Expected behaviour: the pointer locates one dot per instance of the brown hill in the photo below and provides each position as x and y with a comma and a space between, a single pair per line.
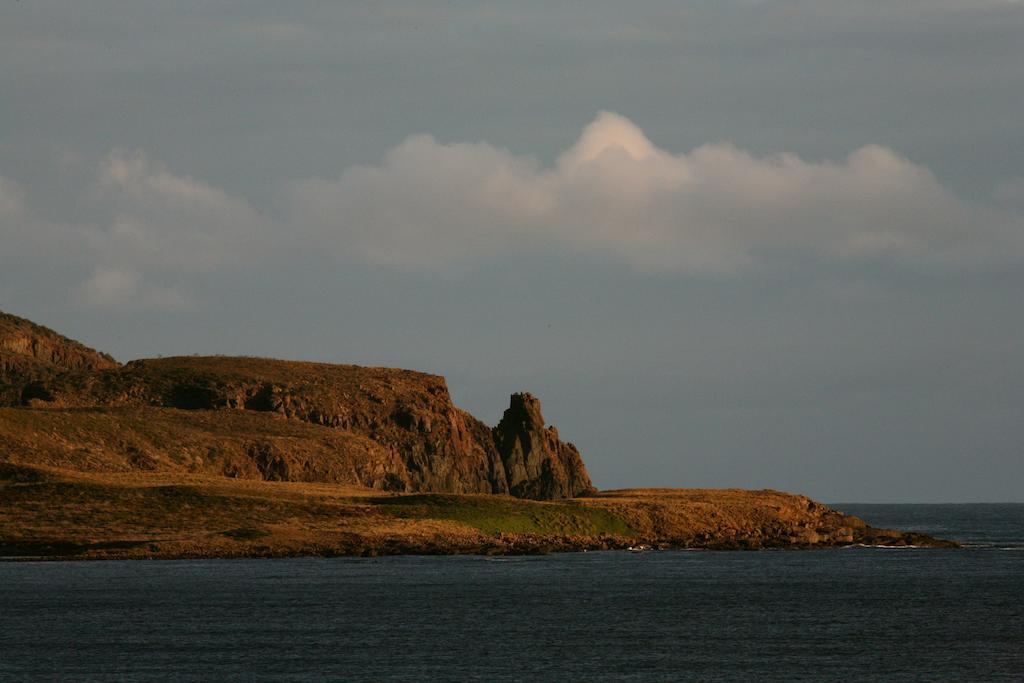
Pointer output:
236, 444
402, 426
30, 352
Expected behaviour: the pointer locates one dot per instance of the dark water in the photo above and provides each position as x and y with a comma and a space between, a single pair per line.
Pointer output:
844, 615
983, 525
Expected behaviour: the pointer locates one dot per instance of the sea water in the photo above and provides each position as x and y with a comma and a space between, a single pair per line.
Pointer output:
845, 614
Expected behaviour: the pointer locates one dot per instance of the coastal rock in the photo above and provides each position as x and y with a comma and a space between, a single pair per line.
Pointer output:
537, 464
406, 413
31, 354
408, 417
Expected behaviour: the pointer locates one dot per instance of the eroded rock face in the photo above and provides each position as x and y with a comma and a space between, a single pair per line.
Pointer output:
537, 463
408, 416
235, 444
407, 413
31, 353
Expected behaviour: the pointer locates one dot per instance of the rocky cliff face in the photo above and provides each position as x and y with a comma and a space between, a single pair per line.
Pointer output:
236, 444
408, 416
537, 463
30, 352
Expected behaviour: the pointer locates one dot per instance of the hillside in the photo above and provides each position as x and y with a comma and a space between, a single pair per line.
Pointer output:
408, 416
31, 352
232, 444
225, 456
400, 426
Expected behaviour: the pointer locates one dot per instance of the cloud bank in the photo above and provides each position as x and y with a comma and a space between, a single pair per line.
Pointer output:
149, 232
716, 210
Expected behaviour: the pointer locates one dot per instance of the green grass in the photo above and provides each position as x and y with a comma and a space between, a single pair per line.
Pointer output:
496, 514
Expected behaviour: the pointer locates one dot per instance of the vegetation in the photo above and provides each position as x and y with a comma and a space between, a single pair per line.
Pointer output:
65, 513
503, 514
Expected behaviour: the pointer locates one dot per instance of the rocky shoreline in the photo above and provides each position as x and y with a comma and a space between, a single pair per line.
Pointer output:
523, 546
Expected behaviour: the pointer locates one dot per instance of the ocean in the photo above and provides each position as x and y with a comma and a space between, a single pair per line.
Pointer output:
856, 614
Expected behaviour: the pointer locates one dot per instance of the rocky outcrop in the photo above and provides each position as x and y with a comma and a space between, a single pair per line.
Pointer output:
409, 416
537, 463
30, 353
738, 519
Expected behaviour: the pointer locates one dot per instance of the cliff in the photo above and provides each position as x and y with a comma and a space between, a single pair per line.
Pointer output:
30, 352
537, 464
402, 426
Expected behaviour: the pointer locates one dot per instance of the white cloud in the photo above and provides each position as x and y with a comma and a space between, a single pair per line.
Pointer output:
715, 209
426, 204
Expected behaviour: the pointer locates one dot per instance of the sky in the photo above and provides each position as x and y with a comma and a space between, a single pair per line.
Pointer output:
740, 243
